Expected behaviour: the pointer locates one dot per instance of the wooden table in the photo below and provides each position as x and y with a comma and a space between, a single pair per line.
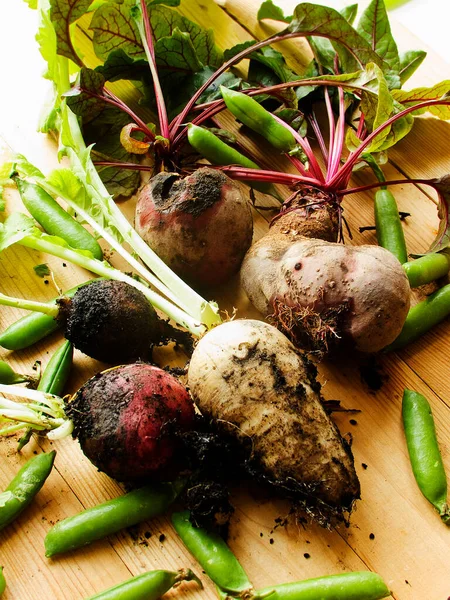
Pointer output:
394, 531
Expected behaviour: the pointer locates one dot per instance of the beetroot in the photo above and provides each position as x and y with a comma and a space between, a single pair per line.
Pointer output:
110, 321
200, 226
127, 420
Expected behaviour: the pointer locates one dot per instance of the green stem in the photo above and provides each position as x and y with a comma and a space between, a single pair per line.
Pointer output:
112, 241
32, 413
187, 298
105, 270
42, 307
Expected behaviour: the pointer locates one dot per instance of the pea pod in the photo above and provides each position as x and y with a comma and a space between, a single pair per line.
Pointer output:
25, 485
2, 581
388, 225
422, 317
53, 380
427, 268
213, 554
105, 519
251, 113
359, 585
9, 377
55, 220
148, 586
33, 327
423, 449
219, 153
57, 371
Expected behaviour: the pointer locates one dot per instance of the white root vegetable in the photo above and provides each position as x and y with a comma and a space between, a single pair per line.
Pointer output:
251, 381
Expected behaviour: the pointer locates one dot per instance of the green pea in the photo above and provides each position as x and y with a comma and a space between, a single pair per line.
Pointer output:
426, 460
25, 485
105, 519
55, 220
389, 227
33, 327
148, 586
422, 317
9, 377
213, 554
57, 371
218, 153
53, 380
427, 268
251, 113
2, 581
359, 585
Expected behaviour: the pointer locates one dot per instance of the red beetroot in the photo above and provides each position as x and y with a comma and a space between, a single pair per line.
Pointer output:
200, 226
127, 421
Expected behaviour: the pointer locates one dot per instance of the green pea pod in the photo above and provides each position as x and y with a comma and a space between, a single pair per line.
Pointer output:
24, 487
422, 317
213, 554
2, 581
55, 220
33, 327
426, 460
219, 153
389, 227
359, 585
57, 371
9, 377
148, 586
427, 268
251, 113
53, 380
105, 519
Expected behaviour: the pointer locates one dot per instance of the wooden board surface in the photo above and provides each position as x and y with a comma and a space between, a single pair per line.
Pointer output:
394, 531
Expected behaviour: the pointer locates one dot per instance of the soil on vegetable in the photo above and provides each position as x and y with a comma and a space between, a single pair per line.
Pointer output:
110, 321
199, 193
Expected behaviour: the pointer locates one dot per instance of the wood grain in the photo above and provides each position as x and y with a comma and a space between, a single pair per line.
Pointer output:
409, 547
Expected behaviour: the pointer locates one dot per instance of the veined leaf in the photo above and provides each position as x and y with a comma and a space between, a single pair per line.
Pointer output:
353, 49
442, 186
269, 10
409, 62
85, 98
119, 65
349, 12
374, 27
177, 52
377, 109
63, 14
16, 227
115, 29
437, 92
234, 50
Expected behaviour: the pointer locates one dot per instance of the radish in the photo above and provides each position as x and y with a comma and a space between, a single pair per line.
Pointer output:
200, 225
127, 419
258, 389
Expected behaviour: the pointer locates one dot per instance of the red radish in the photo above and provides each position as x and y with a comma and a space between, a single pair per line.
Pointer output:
127, 419
200, 225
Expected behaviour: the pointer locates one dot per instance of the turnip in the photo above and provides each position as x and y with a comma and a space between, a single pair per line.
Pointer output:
322, 293
255, 386
200, 225
127, 419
